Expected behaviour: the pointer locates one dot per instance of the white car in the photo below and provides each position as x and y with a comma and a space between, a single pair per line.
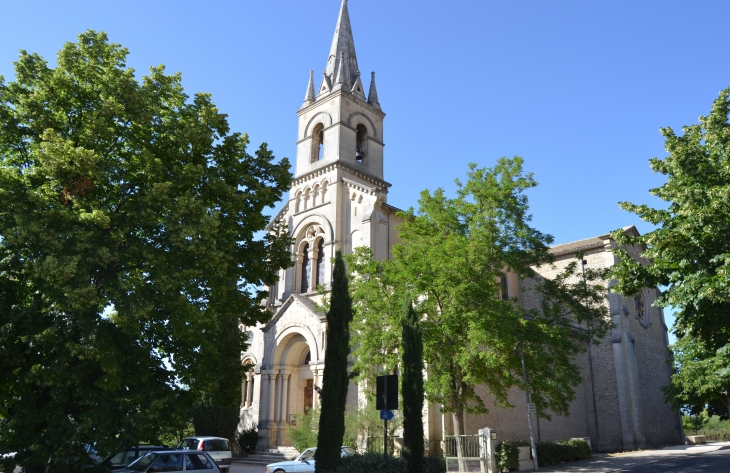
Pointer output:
304, 462
218, 448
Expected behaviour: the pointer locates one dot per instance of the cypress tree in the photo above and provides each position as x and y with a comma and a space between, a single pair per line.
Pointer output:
412, 386
335, 379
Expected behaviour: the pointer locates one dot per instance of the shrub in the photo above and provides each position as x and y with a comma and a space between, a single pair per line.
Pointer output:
552, 453
372, 463
434, 465
304, 434
375, 463
248, 439
507, 455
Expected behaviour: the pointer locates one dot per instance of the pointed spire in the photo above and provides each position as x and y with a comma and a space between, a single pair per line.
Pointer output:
342, 44
309, 97
373, 94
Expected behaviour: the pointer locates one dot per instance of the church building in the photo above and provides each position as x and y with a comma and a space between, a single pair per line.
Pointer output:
337, 202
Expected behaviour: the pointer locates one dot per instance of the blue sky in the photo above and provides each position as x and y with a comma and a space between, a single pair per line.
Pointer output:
579, 89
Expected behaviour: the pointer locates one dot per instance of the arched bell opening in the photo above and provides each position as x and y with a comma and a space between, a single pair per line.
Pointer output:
360, 137
318, 143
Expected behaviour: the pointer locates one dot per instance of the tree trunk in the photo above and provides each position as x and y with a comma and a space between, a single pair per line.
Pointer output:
458, 416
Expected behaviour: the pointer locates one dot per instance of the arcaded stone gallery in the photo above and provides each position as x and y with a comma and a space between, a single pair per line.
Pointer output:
338, 201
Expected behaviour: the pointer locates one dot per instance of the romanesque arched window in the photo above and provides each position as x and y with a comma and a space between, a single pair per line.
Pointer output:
306, 269
318, 143
247, 386
320, 263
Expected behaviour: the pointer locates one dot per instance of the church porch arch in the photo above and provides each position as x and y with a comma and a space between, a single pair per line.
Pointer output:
293, 372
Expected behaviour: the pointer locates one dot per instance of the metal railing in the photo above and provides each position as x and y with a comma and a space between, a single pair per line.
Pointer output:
375, 445
469, 461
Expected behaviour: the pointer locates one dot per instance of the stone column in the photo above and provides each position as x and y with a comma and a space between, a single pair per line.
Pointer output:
315, 383
284, 397
271, 408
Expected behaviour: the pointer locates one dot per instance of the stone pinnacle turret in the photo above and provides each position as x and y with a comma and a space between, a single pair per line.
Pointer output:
373, 94
309, 97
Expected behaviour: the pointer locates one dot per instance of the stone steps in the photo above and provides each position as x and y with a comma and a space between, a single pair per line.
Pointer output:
270, 455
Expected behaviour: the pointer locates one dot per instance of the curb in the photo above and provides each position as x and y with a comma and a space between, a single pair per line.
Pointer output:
675, 457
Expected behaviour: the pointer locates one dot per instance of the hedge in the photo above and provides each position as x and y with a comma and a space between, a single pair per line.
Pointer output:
375, 463
548, 453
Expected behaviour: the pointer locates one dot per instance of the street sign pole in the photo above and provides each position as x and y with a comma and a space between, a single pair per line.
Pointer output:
386, 399
385, 441
385, 426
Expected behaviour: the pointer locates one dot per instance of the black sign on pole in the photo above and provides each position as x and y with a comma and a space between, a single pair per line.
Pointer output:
386, 398
387, 392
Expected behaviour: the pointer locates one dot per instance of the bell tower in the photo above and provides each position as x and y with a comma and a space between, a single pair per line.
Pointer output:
338, 198
337, 121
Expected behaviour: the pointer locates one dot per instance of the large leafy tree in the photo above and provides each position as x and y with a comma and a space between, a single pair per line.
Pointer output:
701, 380
130, 252
454, 253
335, 379
689, 251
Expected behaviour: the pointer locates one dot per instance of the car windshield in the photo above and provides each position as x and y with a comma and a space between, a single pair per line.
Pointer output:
349, 451
142, 462
120, 460
308, 454
216, 445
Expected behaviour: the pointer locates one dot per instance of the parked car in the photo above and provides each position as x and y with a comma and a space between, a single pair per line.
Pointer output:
90, 448
173, 460
217, 447
304, 462
120, 460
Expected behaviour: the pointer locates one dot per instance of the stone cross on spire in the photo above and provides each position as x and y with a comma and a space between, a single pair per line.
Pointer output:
342, 61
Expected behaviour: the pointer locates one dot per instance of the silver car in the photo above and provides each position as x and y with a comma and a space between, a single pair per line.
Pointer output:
304, 462
173, 460
218, 448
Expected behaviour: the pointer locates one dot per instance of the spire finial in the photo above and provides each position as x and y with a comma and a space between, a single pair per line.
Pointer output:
373, 94
309, 96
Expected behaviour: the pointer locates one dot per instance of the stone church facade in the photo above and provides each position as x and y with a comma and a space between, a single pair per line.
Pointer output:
338, 201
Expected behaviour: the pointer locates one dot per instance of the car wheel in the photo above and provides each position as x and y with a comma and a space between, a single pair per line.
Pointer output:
279, 471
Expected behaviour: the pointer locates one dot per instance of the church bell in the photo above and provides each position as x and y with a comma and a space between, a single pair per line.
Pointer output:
358, 154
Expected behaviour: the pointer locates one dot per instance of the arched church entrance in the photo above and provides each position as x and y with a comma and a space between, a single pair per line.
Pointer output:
293, 392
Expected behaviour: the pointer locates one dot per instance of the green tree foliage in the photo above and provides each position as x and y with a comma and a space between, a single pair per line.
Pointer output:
453, 254
335, 378
217, 421
701, 381
130, 252
412, 388
689, 251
